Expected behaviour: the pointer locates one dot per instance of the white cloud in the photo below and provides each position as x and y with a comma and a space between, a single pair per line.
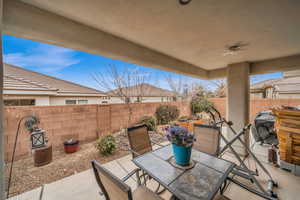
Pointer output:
47, 58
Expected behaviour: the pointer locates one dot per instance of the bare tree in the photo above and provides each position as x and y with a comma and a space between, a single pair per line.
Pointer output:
186, 89
125, 84
220, 85
199, 90
178, 86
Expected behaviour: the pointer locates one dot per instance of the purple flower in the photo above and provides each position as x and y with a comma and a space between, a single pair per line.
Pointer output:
180, 136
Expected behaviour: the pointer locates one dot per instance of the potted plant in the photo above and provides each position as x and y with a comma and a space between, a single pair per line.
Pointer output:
182, 142
71, 145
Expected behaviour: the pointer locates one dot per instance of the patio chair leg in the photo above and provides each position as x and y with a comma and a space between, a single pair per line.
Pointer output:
158, 191
222, 189
138, 180
174, 198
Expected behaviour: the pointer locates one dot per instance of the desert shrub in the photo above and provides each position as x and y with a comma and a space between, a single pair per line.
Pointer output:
106, 145
166, 113
149, 121
200, 104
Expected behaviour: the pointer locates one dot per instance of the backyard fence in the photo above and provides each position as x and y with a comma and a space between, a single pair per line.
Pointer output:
86, 122
83, 122
256, 105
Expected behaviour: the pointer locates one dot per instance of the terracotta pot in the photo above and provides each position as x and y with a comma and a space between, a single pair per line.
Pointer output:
71, 147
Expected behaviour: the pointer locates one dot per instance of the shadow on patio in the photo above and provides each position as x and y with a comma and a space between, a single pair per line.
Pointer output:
83, 185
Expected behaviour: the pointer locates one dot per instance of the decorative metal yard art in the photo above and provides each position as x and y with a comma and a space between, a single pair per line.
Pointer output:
37, 137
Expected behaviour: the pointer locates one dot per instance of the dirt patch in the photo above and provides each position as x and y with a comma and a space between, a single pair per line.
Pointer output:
27, 177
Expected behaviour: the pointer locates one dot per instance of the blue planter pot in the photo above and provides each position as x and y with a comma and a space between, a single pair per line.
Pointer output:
182, 154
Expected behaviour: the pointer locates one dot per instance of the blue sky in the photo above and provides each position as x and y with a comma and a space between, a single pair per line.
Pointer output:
77, 66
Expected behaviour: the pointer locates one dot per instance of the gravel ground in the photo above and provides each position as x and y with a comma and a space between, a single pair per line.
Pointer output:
27, 177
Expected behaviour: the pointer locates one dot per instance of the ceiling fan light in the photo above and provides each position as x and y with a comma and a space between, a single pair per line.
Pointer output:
184, 2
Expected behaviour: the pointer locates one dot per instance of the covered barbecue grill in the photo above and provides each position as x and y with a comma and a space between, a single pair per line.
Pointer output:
263, 129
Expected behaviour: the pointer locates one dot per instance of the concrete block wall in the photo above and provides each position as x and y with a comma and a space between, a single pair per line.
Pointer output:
84, 122
256, 105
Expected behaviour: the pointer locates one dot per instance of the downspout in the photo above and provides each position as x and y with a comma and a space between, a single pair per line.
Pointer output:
2, 176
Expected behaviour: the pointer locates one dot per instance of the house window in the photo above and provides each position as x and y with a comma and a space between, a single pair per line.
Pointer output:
105, 97
82, 101
19, 102
70, 102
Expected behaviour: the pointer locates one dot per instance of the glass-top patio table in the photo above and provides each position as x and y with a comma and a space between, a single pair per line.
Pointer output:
200, 182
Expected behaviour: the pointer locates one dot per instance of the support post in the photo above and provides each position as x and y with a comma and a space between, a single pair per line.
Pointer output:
2, 176
238, 101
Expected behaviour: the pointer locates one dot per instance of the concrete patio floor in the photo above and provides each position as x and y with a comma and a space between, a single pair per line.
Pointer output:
82, 186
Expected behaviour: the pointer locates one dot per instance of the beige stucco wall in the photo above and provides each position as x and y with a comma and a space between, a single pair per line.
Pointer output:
115, 100
277, 96
256, 95
54, 100
288, 96
157, 99
144, 99
39, 100
61, 100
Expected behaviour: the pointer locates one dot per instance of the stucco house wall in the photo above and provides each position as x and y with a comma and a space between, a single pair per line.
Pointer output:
62, 100
39, 100
143, 99
287, 87
289, 96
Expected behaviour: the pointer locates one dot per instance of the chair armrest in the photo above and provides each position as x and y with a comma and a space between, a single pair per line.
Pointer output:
133, 172
157, 143
134, 152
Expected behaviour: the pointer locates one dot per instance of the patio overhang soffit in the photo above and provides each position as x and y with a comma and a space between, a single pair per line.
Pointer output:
191, 39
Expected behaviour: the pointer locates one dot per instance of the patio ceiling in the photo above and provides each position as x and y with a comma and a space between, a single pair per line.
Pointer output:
187, 39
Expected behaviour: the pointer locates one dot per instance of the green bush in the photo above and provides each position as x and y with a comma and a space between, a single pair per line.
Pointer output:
166, 113
200, 104
106, 145
149, 121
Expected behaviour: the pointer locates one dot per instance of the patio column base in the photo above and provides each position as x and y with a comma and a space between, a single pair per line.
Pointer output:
238, 101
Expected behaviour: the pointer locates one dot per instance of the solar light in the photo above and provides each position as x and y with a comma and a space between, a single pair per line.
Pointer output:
184, 2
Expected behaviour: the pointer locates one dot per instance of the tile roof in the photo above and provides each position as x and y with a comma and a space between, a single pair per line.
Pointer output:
265, 83
17, 78
287, 84
144, 90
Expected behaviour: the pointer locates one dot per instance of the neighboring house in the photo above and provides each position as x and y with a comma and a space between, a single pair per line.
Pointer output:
141, 93
24, 87
287, 87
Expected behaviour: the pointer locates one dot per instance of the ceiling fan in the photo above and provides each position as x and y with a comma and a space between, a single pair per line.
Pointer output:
234, 49
184, 2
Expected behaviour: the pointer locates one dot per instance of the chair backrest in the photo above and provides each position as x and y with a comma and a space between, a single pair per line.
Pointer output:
207, 138
111, 186
139, 139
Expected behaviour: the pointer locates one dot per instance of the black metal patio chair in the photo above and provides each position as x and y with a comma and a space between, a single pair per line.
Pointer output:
114, 188
140, 143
